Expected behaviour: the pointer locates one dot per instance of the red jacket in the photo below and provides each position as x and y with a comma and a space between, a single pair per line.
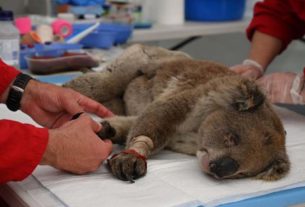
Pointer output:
283, 19
21, 145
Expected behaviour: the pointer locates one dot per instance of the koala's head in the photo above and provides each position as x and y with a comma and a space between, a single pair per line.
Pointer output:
240, 136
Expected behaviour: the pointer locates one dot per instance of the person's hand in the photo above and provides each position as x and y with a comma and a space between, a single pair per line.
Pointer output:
75, 147
277, 87
249, 69
51, 105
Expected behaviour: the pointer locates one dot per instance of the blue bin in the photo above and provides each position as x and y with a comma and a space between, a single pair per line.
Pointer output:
122, 31
45, 50
214, 10
25, 52
105, 36
99, 39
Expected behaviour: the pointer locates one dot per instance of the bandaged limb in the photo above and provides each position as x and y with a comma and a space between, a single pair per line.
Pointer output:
151, 133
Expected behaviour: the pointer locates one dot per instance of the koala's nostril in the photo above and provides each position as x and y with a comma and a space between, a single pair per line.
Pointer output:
223, 166
212, 166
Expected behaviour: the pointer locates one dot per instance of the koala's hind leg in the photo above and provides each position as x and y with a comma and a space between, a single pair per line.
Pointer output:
134, 61
141, 59
151, 132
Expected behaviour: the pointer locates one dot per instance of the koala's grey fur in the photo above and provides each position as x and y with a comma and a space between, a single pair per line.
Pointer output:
168, 100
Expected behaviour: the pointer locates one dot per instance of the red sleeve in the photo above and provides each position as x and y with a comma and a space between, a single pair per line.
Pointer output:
21, 149
7, 75
282, 19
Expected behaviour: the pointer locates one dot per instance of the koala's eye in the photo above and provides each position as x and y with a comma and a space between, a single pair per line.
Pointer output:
231, 139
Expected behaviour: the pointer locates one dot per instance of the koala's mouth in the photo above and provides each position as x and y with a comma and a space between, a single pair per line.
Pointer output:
203, 158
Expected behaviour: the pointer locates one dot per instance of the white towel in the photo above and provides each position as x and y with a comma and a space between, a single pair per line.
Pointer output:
172, 179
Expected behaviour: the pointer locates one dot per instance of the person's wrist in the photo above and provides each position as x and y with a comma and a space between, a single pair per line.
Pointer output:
4, 96
29, 91
31, 86
15, 91
50, 156
254, 64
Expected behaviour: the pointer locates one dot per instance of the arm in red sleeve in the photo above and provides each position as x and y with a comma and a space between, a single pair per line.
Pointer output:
7, 75
21, 148
283, 19
21, 145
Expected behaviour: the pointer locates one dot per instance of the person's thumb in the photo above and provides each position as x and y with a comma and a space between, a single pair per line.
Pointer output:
251, 75
96, 126
239, 69
107, 148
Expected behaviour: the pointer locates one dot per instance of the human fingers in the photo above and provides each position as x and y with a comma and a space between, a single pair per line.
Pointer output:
94, 107
265, 84
74, 147
96, 126
106, 145
247, 71
277, 86
239, 69
84, 118
106, 148
73, 102
69, 101
252, 74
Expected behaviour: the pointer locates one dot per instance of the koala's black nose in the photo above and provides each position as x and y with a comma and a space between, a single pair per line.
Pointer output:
223, 166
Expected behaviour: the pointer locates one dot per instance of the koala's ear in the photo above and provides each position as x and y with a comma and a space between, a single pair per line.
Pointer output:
249, 97
277, 169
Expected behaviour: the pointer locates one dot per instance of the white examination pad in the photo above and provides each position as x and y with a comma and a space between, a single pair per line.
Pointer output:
172, 179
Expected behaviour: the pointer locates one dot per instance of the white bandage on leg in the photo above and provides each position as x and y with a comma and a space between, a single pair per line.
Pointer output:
142, 144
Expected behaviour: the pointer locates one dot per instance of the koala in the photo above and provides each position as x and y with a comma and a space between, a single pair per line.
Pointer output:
167, 100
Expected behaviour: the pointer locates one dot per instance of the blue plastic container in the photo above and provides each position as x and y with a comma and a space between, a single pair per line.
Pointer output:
122, 31
105, 36
25, 52
214, 10
99, 39
45, 50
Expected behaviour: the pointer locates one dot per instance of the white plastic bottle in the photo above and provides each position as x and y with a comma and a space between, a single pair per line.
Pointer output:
9, 39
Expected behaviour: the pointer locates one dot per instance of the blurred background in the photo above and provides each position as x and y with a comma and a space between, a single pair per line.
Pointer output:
228, 48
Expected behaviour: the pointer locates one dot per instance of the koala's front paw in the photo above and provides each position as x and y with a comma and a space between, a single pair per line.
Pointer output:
128, 165
107, 131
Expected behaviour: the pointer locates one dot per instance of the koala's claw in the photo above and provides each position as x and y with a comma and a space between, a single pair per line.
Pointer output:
128, 165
